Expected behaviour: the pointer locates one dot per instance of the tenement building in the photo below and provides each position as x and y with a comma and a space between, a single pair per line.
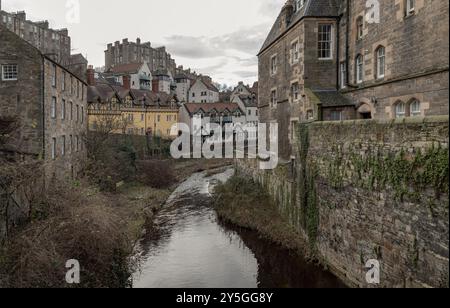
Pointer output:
127, 52
338, 60
54, 43
49, 103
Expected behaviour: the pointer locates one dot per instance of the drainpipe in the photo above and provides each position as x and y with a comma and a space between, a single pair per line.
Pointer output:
347, 47
338, 54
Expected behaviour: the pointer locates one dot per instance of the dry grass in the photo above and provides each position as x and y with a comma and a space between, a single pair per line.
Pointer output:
244, 203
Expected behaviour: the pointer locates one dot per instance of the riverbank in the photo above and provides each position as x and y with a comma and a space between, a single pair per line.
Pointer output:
244, 203
80, 221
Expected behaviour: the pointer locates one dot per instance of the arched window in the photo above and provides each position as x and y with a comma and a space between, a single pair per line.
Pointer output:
359, 69
400, 110
414, 108
381, 62
359, 28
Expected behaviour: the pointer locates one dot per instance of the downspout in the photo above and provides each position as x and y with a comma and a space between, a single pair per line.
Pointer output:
44, 154
338, 54
347, 47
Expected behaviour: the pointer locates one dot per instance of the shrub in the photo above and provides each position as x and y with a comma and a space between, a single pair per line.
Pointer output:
156, 174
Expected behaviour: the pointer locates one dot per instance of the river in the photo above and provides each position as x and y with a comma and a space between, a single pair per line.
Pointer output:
187, 247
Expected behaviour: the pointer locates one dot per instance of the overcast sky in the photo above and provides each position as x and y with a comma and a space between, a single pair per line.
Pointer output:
216, 37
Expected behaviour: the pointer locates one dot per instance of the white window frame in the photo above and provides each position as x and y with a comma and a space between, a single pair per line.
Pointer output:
330, 41
295, 52
415, 112
400, 114
54, 69
273, 98
343, 74
295, 93
273, 65
63, 109
359, 63
53, 148
381, 62
4, 72
410, 7
63, 145
53, 108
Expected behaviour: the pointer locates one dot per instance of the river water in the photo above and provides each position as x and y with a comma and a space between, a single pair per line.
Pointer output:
187, 247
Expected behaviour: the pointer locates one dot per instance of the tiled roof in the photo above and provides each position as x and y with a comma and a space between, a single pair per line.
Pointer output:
208, 84
126, 68
312, 8
194, 108
250, 101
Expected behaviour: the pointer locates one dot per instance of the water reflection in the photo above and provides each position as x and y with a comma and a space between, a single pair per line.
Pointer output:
187, 247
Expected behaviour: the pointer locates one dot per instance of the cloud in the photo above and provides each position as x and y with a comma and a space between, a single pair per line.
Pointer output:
246, 74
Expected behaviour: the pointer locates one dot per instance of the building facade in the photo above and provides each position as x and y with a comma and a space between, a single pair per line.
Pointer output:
330, 60
54, 43
134, 112
133, 75
247, 99
50, 104
203, 91
127, 52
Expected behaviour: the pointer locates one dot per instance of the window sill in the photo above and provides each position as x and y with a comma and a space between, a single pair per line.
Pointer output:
326, 59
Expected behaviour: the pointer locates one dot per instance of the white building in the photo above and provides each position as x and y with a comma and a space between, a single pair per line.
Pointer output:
140, 76
163, 81
183, 85
247, 99
203, 91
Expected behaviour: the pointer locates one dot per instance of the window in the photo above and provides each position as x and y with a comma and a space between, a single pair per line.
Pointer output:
343, 79
415, 108
381, 62
142, 117
400, 110
9, 72
310, 115
295, 52
70, 143
249, 112
63, 82
410, 7
299, 4
78, 113
54, 75
336, 115
78, 88
71, 85
273, 65
359, 28
63, 109
193, 94
359, 69
295, 91
70, 111
53, 108
63, 145
273, 98
53, 148
77, 143
82, 114
325, 42
159, 118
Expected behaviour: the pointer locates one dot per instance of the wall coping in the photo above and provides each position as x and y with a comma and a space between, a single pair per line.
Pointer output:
410, 120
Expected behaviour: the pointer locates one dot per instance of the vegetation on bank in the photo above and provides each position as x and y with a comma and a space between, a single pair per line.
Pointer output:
244, 203
95, 220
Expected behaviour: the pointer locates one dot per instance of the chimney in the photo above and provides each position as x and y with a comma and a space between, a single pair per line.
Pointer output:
90, 74
138, 41
126, 82
286, 14
125, 41
155, 85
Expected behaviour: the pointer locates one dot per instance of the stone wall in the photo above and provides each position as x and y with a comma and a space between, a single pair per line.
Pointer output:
362, 190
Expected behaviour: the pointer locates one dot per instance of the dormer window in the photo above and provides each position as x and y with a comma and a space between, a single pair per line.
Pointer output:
299, 4
410, 7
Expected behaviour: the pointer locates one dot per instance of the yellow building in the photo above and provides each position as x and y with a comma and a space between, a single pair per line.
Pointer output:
132, 112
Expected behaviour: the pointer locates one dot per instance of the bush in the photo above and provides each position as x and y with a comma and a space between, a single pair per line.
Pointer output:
73, 229
156, 174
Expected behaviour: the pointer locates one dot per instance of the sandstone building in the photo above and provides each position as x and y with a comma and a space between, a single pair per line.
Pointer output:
334, 60
49, 102
133, 111
127, 52
54, 43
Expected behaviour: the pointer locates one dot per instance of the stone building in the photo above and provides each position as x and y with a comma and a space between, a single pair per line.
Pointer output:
49, 102
333, 60
133, 75
127, 52
54, 43
144, 112
247, 99
203, 91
